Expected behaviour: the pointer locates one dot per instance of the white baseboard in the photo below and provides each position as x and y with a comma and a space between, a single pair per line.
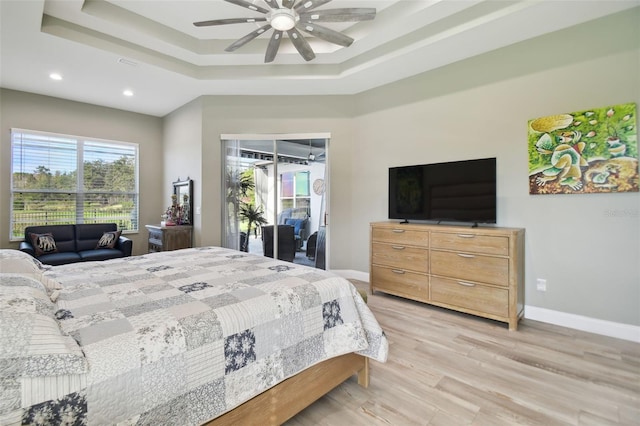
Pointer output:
577, 322
349, 273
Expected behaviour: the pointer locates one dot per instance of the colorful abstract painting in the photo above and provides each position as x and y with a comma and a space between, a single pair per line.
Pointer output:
594, 150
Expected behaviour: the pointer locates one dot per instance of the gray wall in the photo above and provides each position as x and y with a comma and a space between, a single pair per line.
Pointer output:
183, 133
47, 114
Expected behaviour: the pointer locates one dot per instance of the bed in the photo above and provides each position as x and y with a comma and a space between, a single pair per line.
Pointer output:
195, 336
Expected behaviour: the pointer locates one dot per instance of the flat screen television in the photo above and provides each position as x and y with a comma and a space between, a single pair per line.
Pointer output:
458, 191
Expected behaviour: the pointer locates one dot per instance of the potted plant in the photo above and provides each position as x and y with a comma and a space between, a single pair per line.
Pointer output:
252, 215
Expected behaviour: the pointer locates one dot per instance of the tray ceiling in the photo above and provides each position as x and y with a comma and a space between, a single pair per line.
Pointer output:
103, 47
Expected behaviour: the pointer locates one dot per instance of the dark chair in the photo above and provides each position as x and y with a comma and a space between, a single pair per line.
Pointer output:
311, 245
299, 230
286, 242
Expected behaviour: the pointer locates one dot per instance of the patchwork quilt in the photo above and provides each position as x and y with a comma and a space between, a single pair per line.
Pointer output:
168, 338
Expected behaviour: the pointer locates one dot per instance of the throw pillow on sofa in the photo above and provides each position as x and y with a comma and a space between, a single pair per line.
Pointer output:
43, 243
108, 240
297, 224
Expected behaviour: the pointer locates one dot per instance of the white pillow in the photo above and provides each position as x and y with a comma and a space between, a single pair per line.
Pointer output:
31, 342
17, 262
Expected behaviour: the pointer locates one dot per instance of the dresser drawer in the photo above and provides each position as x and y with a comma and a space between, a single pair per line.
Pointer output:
476, 297
469, 242
400, 236
400, 256
401, 283
486, 269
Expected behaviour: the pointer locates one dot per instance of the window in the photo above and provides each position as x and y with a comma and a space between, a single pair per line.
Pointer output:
294, 190
62, 179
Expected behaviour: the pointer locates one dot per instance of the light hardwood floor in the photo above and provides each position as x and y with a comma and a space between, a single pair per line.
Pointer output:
448, 368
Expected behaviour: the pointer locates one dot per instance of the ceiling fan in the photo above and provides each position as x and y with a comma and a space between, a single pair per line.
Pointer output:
291, 17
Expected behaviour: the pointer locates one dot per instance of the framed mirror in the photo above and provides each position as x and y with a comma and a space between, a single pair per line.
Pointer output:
182, 189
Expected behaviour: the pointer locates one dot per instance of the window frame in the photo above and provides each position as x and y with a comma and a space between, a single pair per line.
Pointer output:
79, 193
295, 198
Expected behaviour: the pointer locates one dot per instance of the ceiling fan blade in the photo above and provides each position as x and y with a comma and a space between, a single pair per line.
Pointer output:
246, 39
288, 3
326, 34
304, 5
274, 45
250, 6
340, 15
228, 21
273, 4
301, 44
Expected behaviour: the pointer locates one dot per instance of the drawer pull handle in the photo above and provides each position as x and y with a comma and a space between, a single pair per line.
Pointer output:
397, 271
398, 247
468, 256
466, 284
466, 235
398, 231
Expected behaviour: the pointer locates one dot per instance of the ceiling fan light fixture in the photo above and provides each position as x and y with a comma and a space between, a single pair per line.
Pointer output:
283, 19
291, 17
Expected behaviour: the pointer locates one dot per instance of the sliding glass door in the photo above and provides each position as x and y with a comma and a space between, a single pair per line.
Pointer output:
275, 196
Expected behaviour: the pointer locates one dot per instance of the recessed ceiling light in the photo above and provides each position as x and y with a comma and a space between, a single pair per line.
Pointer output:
128, 92
55, 76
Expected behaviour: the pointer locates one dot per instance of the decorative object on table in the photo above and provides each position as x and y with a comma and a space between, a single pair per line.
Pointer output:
175, 213
588, 151
180, 212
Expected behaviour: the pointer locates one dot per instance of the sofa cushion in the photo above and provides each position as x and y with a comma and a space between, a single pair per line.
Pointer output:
43, 243
64, 235
108, 240
100, 254
60, 258
88, 234
297, 224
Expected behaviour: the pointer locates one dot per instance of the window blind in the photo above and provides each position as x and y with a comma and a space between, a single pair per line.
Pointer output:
63, 179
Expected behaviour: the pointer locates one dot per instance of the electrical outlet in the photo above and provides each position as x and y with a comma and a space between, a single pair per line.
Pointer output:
541, 284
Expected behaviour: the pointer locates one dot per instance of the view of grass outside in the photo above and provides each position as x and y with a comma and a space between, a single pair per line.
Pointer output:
57, 212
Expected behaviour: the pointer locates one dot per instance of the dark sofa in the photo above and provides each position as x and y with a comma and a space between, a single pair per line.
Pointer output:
77, 243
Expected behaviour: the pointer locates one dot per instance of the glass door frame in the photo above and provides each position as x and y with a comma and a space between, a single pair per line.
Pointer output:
274, 138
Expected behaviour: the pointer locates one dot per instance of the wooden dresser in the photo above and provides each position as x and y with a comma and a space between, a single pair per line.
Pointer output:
167, 238
479, 271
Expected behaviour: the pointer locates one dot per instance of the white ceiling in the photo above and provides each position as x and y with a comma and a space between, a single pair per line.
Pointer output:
169, 62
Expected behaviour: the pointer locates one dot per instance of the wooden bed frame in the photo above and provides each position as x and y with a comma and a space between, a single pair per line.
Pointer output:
286, 399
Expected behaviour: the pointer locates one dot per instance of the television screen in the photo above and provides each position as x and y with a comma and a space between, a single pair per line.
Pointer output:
459, 191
